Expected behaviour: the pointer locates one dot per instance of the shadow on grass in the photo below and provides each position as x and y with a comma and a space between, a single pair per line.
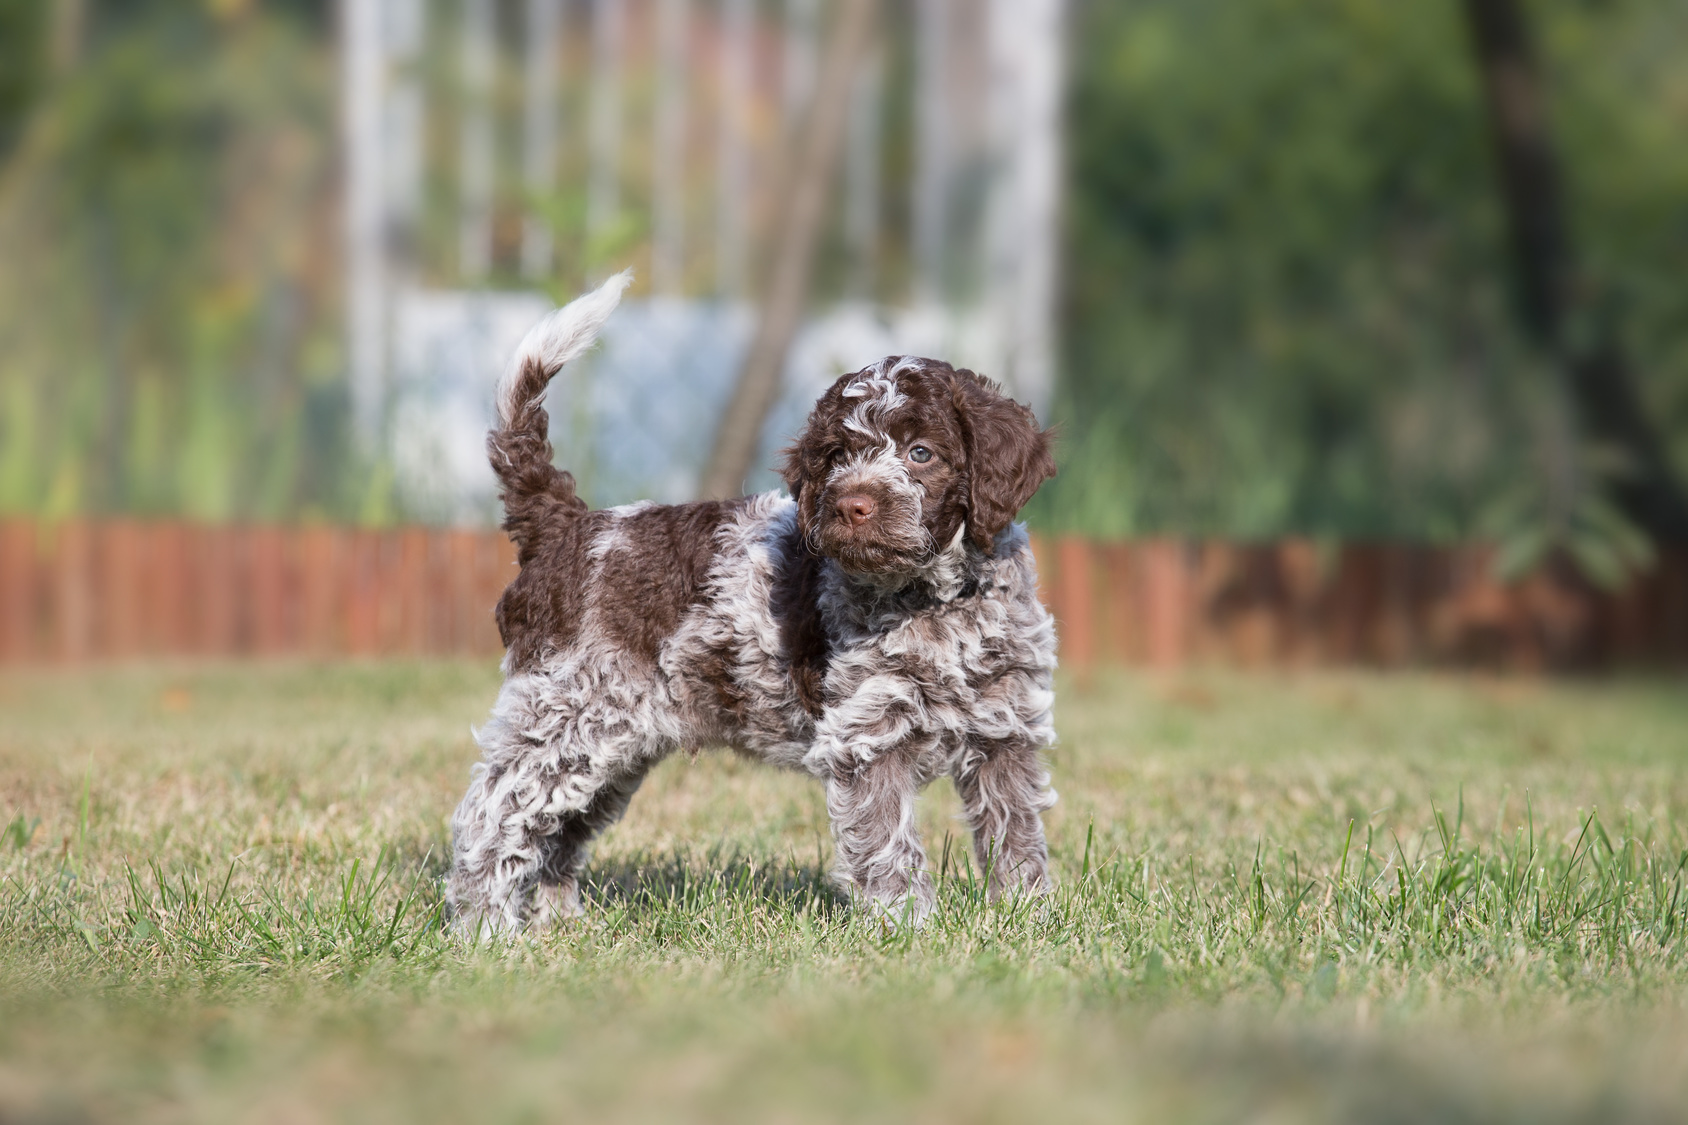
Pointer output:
651, 883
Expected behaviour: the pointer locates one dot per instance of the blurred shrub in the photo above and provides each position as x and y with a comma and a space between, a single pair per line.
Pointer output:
1287, 304
23, 59
168, 337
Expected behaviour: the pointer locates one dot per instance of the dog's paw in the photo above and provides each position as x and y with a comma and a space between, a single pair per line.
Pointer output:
554, 904
908, 909
477, 928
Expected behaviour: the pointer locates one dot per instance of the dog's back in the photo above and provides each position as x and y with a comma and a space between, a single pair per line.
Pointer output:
626, 574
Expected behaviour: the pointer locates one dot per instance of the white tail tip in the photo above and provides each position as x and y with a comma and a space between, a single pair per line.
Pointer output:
561, 336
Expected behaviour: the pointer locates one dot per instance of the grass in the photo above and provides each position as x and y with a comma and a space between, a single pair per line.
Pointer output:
1285, 898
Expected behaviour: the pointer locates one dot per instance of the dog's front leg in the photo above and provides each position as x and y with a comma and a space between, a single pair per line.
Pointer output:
871, 802
1004, 790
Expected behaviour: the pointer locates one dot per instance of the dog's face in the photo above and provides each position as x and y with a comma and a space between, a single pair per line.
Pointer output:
900, 458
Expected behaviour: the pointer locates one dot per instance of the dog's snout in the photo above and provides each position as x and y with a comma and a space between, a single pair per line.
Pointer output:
856, 510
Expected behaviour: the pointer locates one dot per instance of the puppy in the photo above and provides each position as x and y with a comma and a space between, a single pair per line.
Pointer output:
878, 629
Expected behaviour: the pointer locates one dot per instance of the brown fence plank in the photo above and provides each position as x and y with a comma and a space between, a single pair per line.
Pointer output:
363, 609
72, 598
1240, 598
1075, 605
389, 594
219, 591
1358, 597
1632, 626
1393, 639
1305, 574
494, 566
121, 569
411, 580
435, 632
462, 594
165, 618
267, 593
1119, 613
320, 600
483, 625
1166, 586
20, 591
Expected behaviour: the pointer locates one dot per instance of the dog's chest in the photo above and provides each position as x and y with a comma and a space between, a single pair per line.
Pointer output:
988, 650
941, 672
943, 652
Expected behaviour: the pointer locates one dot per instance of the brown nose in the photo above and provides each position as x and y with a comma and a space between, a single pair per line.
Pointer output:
855, 510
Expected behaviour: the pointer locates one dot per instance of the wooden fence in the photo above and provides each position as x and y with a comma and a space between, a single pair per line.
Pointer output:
1164, 603
120, 588
115, 589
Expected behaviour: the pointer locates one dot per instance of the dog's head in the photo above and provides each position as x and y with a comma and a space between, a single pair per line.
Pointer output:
899, 458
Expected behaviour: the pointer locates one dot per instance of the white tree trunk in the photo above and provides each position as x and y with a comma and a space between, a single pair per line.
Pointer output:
732, 167
475, 176
401, 119
1026, 105
933, 129
668, 163
539, 132
861, 171
603, 187
365, 273
797, 79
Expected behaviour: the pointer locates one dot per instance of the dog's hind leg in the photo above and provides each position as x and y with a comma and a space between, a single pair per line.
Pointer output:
560, 762
1004, 789
557, 897
521, 836
497, 851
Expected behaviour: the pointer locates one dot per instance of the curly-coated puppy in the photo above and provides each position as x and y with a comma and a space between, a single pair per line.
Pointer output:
876, 630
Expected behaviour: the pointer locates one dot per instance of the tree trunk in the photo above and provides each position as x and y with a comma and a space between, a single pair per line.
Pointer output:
1598, 378
798, 232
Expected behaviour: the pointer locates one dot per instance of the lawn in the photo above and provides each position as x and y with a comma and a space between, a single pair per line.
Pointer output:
1285, 897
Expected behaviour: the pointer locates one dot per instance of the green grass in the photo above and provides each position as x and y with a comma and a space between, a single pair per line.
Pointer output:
1285, 898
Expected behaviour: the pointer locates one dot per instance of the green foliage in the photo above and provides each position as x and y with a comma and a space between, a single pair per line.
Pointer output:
167, 326
1287, 304
1563, 508
23, 59
1286, 301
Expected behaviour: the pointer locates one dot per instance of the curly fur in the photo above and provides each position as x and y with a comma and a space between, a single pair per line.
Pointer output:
875, 655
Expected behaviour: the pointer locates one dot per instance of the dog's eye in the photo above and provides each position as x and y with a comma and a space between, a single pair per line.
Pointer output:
920, 455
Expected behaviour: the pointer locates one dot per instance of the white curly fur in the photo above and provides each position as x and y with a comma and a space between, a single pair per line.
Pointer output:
946, 671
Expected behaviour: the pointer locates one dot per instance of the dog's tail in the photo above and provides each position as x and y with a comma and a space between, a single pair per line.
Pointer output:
518, 446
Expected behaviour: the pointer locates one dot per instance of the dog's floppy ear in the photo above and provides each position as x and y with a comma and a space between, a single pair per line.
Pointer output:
1008, 456
803, 463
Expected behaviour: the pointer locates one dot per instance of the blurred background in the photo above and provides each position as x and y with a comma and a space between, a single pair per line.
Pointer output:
1364, 325
1306, 274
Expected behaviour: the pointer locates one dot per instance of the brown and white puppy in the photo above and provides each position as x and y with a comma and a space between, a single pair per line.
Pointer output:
879, 629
